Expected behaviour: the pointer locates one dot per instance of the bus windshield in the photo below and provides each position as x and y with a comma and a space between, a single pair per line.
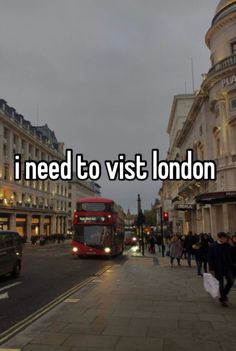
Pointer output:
94, 207
94, 236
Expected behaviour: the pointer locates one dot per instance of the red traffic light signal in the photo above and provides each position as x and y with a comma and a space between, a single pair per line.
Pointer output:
165, 216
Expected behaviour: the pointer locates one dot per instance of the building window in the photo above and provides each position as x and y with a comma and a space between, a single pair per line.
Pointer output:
6, 172
6, 133
233, 48
22, 146
4, 150
233, 104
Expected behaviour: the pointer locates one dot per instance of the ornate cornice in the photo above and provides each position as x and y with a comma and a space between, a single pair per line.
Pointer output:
218, 26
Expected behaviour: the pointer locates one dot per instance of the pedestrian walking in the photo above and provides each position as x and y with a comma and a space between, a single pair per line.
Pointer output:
233, 250
201, 253
189, 241
175, 250
221, 265
151, 244
159, 242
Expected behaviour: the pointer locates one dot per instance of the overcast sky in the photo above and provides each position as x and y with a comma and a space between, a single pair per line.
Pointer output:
102, 73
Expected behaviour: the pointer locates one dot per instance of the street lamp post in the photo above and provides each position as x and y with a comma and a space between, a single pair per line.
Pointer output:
140, 222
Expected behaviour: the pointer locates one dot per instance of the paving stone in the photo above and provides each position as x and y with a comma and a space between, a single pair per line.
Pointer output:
160, 332
55, 327
125, 331
123, 321
49, 338
89, 348
225, 326
228, 346
139, 344
31, 347
80, 328
183, 344
186, 324
211, 317
103, 341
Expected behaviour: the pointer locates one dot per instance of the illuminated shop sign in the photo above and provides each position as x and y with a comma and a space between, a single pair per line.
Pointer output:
184, 207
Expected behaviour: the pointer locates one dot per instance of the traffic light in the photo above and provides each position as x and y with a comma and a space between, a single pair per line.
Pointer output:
165, 216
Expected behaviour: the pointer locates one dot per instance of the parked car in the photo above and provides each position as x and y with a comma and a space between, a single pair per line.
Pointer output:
11, 251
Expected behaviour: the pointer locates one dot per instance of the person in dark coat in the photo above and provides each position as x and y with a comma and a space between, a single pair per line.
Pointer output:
221, 265
159, 242
189, 241
233, 250
152, 244
201, 253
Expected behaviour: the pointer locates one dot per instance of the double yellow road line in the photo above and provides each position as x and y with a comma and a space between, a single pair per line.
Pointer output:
15, 329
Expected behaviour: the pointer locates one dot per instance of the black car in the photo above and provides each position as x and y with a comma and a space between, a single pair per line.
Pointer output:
11, 250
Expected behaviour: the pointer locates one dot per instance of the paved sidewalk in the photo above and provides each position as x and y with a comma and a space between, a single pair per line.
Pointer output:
139, 306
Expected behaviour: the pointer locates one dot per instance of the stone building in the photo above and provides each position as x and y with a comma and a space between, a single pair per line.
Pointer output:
179, 112
30, 207
210, 130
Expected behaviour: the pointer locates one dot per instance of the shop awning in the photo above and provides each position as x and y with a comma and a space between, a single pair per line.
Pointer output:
216, 198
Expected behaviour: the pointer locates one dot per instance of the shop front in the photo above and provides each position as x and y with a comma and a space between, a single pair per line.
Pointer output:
21, 224
219, 210
47, 225
4, 221
35, 225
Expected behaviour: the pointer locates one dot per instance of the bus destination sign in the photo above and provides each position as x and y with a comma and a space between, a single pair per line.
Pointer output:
91, 219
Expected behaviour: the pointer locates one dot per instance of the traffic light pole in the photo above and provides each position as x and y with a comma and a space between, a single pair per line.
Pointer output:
162, 233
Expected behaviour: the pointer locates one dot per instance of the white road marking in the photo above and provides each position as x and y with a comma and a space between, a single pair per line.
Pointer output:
10, 286
4, 296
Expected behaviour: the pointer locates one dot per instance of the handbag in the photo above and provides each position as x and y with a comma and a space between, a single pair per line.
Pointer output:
211, 285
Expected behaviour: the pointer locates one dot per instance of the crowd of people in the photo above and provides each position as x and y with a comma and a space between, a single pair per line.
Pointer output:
217, 257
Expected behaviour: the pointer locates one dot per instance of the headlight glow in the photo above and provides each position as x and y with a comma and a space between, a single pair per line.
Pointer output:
75, 249
134, 239
107, 249
135, 248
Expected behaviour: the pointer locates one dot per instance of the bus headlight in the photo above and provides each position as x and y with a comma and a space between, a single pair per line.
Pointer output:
134, 239
75, 249
107, 249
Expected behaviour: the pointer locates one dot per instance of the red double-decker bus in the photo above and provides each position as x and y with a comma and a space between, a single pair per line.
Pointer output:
98, 228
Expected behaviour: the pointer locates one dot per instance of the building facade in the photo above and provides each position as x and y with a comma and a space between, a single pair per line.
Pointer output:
210, 131
179, 112
33, 208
